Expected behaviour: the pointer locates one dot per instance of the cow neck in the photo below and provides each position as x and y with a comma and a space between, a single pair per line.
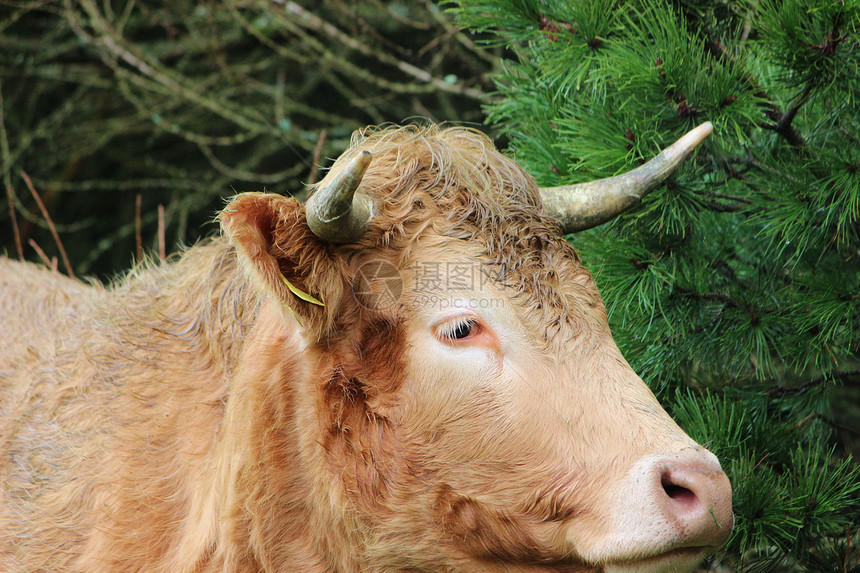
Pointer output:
196, 312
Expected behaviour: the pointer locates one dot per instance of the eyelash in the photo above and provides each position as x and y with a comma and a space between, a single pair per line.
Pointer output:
460, 329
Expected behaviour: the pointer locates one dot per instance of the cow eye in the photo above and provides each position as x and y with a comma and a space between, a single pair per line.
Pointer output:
460, 329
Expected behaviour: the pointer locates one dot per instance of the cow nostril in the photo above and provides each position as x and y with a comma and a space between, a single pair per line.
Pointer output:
683, 497
689, 499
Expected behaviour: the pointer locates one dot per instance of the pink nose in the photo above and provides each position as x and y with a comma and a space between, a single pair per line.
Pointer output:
693, 494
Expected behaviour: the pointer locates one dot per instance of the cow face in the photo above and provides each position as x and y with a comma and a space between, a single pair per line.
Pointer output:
470, 404
538, 424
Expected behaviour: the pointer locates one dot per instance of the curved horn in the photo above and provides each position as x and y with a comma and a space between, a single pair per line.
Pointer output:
337, 213
586, 205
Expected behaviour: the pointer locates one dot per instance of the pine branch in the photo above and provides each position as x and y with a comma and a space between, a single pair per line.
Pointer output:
713, 296
837, 425
783, 121
719, 207
782, 391
726, 197
783, 128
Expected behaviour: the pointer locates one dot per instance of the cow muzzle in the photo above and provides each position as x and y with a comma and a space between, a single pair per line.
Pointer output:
694, 494
668, 512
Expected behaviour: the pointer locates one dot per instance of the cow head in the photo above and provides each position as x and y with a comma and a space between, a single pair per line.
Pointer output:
468, 402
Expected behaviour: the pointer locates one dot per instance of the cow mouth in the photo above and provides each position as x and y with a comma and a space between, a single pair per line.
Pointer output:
674, 560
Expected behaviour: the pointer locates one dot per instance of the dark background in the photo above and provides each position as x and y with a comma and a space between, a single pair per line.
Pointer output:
181, 104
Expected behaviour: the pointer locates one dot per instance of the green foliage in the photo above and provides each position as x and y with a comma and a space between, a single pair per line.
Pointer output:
734, 289
792, 494
185, 103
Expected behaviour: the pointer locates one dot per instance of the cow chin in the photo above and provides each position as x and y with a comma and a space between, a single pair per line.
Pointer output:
677, 561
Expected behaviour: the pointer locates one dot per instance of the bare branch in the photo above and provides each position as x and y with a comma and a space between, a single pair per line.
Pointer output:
314, 22
51, 226
316, 160
138, 238
162, 247
15, 230
47, 262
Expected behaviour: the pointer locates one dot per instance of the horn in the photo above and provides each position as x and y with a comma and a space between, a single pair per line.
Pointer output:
337, 213
586, 205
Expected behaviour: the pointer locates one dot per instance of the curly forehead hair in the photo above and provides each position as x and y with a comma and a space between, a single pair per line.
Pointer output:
450, 183
456, 168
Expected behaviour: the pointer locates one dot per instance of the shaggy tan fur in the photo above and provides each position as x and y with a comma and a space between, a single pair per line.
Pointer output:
182, 421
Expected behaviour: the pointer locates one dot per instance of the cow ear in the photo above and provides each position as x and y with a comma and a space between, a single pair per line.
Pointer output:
281, 254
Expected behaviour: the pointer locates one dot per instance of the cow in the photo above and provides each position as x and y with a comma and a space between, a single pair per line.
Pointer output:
409, 372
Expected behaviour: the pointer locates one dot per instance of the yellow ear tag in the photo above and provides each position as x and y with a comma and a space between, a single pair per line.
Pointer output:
299, 322
301, 294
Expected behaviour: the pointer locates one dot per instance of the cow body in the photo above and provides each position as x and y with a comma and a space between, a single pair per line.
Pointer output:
200, 415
